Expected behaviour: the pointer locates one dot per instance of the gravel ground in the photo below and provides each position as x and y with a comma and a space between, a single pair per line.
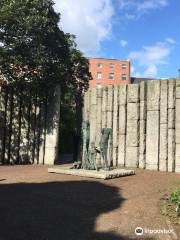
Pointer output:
37, 205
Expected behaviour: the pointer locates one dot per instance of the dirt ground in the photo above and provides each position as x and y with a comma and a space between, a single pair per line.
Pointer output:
37, 205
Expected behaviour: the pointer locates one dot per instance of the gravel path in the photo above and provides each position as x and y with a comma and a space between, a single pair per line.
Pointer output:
37, 205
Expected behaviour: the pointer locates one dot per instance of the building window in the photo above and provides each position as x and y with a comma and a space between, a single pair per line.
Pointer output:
99, 65
124, 66
99, 75
111, 66
111, 76
124, 77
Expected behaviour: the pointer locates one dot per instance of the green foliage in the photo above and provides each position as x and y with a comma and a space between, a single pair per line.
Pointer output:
35, 54
175, 197
35, 50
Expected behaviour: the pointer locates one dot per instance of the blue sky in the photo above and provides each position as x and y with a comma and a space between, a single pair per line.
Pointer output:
145, 31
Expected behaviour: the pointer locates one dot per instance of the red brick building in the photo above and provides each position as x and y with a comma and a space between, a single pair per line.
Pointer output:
109, 72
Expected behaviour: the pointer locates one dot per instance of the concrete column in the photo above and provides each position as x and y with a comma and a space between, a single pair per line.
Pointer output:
110, 107
163, 148
85, 117
52, 136
36, 136
41, 149
152, 128
110, 115
23, 150
93, 120
115, 126
142, 125
132, 137
171, 125
8, 129
122, 124
177, 127
1, 122
104, 107
98, 121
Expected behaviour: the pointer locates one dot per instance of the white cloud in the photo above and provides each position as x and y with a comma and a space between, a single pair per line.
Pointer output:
170, 40
136, 8
89, 20
123, 43
151, 71
151, 4
156, 54
150, 57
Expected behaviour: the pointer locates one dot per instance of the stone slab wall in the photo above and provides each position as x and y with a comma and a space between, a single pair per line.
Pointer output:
29, 127
145, 119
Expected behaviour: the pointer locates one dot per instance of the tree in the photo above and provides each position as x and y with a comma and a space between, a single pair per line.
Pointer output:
35, 50
36, 53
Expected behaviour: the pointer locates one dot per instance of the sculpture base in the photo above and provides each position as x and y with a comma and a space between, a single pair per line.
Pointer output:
102, 174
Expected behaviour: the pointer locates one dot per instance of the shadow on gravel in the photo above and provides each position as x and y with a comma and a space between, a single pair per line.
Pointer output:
56, 211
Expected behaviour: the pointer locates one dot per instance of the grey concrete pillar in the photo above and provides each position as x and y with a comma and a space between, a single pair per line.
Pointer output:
1, 122
98, 121
110, 107
36, 136
122, 124
93, 120
152, 128
115, 126
177, 127
25, 134
142, 125
110, 115
8, 126
171, 125
104, 107
86, 113
132, 137
163, 148
52, 136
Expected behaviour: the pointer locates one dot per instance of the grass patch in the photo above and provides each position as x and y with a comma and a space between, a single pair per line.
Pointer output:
168, 204
175, 197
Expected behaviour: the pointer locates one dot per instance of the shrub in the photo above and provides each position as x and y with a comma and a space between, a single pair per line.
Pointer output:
175, 197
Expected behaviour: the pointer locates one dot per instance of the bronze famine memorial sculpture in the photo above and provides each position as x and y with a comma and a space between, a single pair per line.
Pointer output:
92, 157
105, 146
90, 162
90, 150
